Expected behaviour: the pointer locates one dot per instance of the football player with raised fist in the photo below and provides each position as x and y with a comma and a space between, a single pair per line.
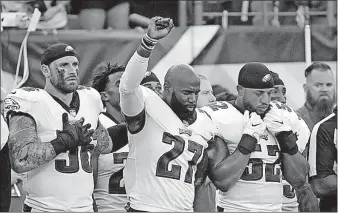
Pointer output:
173, 146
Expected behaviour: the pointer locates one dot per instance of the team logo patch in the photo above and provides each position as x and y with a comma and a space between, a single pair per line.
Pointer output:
69, 49
265, 137
266, 78
11, 104
185, 131
148, 73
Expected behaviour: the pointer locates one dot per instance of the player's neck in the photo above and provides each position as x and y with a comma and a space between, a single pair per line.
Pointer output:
113, 111
238, 104
64, 97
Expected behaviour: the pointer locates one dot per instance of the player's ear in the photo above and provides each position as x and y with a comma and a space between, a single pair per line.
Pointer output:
45, 70
167, 87
305, 88
240, 90
104, 96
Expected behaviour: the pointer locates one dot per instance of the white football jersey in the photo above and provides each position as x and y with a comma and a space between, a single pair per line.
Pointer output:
160, 170
259, 188
110, 193
66, 182
302, 131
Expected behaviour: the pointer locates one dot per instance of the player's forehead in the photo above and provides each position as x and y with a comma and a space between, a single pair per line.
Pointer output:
266, 90
114, 77
152, 83
191, 84
279, 87
66, 59
205, 85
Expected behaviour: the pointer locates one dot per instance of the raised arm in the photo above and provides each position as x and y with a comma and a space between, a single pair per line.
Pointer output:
131, 98
28, 152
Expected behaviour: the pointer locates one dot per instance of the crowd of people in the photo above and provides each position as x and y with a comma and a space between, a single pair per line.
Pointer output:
103, 14
130, 143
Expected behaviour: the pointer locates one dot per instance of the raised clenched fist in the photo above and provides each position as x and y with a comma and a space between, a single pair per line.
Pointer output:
159, 27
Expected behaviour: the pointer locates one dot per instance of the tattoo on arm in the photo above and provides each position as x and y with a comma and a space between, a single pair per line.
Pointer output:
27, 152
104, 142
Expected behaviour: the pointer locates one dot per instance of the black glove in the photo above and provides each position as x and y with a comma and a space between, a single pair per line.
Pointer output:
72, 135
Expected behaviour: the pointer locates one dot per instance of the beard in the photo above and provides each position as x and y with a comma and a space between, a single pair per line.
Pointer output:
323, 105
180, 109
248, 106
62, 85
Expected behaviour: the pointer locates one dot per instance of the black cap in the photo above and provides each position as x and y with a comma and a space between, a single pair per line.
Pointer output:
56, 51
276, 79
255, 76
149, 76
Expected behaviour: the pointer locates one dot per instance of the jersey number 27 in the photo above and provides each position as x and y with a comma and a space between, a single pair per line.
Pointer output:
162, 169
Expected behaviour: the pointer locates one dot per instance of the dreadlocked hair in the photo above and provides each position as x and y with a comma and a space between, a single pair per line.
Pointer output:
102, 72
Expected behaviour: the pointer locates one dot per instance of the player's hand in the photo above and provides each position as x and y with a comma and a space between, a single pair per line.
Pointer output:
159, 27
15, 178
277, 120
253, 125
75, 133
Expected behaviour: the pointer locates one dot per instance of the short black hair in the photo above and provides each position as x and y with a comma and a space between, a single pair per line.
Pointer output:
316, 66
104, 70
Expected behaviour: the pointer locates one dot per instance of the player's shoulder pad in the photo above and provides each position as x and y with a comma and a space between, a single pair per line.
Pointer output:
89, 91
218, 107
209, 127
30, 94
278, 107
22, 99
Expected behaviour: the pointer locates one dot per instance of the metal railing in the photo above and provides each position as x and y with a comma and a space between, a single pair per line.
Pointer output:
199, 13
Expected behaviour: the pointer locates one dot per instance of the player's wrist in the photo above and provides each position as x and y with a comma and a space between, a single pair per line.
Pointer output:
287, 142
148, 43
59, 144
247, 144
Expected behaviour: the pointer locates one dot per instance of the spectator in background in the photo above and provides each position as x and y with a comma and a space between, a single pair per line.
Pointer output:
222, 94
323, 162
54, 14
320, 93
205, 96
5, 167
100, 14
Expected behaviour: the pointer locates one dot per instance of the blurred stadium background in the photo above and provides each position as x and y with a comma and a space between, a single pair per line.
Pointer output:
215, 36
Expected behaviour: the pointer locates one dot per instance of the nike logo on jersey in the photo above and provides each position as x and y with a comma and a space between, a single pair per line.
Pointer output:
280, 122
255, 124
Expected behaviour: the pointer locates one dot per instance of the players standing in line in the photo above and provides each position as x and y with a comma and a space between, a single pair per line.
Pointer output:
205, 194
110, 193
48, 138
260, 187
171, 142
303, 133
323, 162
